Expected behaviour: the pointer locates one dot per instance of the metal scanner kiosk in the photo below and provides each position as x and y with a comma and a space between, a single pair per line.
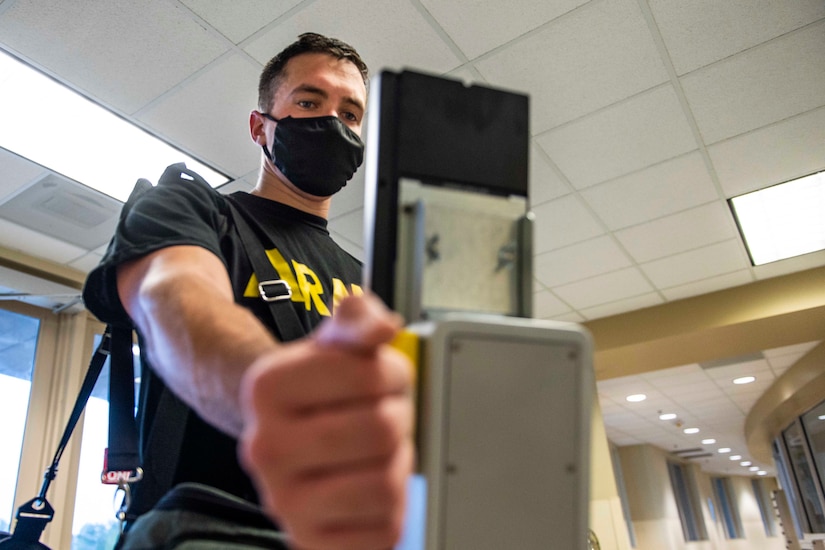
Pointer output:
504, 401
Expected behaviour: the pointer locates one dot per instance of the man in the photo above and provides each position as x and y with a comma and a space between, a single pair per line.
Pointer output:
324, 422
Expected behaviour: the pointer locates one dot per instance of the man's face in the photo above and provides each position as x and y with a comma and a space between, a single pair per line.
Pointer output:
318, 84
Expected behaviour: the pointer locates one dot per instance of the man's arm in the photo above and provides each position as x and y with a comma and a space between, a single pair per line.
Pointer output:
199, 341
325, 422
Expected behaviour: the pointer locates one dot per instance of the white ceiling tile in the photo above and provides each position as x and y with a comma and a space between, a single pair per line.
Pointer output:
770, 155
595, 56
699, 32
691, 229
699, 386
211, 114
618, 388
467, 75
763, 85
38, 244
349, 225
699, 402
477, 26
545, 183
711, 284
16, 173
579, 261
350, 198
745, 403
350, 247
69, 37
239, 19
572, 317
647, 129
653, 192
622, 306
86, 262
687, 267
548, 306
388, 35
782, 363
796, 350
236, 185
668, 378
562, 222
603, 289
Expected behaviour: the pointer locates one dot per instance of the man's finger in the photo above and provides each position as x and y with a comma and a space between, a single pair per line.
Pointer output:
360, 323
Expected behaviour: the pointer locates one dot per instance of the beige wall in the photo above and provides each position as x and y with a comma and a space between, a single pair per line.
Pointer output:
655, 516
606, 517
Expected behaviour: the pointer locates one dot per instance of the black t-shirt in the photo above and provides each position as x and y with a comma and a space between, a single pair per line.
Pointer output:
188, 213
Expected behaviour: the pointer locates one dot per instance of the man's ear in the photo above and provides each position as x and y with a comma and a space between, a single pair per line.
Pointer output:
256, 128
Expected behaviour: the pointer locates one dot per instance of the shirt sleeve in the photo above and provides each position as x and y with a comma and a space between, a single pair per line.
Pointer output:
174, 214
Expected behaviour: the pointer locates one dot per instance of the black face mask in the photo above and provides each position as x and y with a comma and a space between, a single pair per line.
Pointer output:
318, 155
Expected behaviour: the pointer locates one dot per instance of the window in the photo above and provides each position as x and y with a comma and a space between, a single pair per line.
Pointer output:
764, 501
803, 473
687, 501
94, 526
814, 423
620, 486
780, 457
728, 511
18, 342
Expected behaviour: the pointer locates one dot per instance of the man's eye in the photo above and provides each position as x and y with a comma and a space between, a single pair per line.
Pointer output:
352, 117
305, 104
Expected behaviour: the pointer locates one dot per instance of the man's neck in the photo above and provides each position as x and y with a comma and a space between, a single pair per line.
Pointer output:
274, 186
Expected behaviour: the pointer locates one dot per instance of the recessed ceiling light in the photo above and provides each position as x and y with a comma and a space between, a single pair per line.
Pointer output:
709, 441
753, 468
761, 473
821, 417
735, 457
724, 450
667, 416
691, 430
744, 380
745, 463
86, 142
636, 397
784, 220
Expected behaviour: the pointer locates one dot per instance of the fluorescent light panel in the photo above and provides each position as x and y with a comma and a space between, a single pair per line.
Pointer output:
784, 220
63, 131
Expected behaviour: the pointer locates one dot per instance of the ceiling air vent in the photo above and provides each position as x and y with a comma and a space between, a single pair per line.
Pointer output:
748, 358
65, 210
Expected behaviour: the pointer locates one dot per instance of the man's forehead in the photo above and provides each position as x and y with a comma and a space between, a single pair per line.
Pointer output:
310, 62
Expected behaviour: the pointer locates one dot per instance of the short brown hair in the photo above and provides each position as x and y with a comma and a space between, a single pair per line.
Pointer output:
308, 42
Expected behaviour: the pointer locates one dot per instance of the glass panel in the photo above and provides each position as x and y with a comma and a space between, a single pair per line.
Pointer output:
780, 457
693, 525
763, 500
94, 526
18, 343
814, 422
621, 488
803, 474
727, 507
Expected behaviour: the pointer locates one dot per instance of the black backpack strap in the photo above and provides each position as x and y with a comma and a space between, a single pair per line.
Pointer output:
275, 291
123, 453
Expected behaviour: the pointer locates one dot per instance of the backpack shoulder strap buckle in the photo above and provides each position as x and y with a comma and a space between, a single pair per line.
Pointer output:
274, 290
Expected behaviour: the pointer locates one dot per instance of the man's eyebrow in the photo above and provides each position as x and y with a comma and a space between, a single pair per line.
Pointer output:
310, 89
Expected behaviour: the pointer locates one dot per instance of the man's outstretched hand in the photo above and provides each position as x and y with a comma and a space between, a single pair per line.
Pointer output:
327, 431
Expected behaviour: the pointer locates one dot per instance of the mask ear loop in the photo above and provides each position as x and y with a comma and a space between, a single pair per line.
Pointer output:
265, 150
